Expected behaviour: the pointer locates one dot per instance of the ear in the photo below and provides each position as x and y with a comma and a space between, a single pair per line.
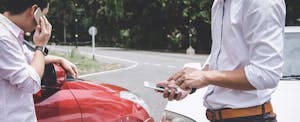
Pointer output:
32, 9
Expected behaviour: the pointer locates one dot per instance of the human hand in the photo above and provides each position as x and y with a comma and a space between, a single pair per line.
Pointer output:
181, 72
191, 80
69, 67
172, 91
42, 32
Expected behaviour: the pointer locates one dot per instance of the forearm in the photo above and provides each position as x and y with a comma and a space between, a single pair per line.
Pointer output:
229, 79
53, 59
38, 63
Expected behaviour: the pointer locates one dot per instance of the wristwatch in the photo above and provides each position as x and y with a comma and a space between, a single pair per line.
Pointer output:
43, 49
193, 90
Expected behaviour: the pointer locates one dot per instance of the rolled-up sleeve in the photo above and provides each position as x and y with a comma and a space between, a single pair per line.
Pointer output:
15, 69
264, 35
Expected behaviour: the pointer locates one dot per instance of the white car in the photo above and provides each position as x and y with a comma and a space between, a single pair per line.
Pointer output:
285, 100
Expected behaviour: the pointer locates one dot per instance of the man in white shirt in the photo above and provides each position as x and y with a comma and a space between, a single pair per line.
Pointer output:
245, 63
20, 69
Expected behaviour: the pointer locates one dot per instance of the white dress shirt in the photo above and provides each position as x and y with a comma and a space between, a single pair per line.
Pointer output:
246, 34
18, 80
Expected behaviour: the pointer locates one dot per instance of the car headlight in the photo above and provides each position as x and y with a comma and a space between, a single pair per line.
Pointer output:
134, 98
169, 116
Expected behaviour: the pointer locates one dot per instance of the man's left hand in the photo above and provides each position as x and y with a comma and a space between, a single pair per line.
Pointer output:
69, 67
191, 80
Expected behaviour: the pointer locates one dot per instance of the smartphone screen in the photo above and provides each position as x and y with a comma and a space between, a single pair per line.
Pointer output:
37, 15
153, 86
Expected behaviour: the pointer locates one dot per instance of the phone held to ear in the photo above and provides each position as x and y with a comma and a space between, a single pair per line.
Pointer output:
37, 15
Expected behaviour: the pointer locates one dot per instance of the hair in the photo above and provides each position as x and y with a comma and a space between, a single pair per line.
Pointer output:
19, 6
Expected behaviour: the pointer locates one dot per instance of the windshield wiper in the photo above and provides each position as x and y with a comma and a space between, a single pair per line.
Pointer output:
290, 77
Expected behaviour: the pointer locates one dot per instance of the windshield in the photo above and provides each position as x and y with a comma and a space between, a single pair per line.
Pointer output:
291, 54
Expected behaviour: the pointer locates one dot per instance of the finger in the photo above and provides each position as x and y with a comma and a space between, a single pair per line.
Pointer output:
171, 96
48, 25
37, 29
174, 76
162, 83
70, 70
171, 84
43, 24
185, 86
166, 93
178, 75
180, 80
178, 96
158, 91
171, 78
74, 68
45, 21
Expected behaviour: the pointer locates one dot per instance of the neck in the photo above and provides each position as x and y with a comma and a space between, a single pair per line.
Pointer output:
16, 19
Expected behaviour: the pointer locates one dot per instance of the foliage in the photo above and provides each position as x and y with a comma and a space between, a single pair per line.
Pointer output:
1, 9
293, 13
141, 24
132, 23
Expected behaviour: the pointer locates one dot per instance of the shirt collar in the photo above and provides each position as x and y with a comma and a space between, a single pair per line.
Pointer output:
13, 28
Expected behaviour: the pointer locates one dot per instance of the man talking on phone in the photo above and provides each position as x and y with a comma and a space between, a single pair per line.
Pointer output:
245, 63
20, 69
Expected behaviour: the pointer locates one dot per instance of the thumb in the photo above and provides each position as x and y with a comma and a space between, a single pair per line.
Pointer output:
185, 86
38, 29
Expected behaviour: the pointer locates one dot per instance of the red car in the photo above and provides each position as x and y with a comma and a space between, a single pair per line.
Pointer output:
65, 99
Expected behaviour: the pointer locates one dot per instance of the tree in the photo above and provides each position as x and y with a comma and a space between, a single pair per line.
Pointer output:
293, 13
142, 24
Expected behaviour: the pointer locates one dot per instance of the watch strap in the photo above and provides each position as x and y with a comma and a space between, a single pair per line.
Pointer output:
193, 90
43, 49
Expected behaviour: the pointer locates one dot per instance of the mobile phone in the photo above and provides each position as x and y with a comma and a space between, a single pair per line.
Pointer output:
153, 86
37, 15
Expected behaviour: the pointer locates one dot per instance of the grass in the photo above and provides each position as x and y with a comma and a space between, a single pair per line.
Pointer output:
87, 65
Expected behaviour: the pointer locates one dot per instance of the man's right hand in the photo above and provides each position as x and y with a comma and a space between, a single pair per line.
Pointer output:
171, 91
42, 32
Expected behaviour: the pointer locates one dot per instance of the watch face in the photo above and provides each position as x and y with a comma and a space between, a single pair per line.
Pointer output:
46, 50
43, 49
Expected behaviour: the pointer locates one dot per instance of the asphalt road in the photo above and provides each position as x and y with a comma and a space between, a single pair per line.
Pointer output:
140, 66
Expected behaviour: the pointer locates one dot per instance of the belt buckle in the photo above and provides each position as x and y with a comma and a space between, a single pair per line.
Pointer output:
213, 115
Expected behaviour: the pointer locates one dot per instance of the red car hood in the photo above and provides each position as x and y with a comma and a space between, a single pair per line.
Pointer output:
102, 102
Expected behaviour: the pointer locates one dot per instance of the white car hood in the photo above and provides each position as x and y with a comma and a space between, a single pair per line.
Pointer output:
285, 101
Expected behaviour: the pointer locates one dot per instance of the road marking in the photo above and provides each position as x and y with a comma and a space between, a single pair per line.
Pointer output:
171, 66
135, 64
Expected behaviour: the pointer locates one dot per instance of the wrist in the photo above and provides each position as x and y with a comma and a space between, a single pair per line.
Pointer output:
42, 45
208, 77
42, 49
60, 60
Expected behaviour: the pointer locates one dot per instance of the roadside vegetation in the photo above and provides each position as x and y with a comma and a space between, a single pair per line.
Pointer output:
87, 65
165, 25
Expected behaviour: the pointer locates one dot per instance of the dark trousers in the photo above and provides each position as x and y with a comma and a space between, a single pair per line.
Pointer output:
258, 118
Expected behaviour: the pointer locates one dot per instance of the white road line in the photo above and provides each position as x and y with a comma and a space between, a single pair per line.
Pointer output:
171, 66
135, 64
147, 63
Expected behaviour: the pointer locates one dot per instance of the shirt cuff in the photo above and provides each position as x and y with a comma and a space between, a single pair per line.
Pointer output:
258, 78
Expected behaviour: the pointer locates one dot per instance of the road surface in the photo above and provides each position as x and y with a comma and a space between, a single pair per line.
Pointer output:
140, 66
